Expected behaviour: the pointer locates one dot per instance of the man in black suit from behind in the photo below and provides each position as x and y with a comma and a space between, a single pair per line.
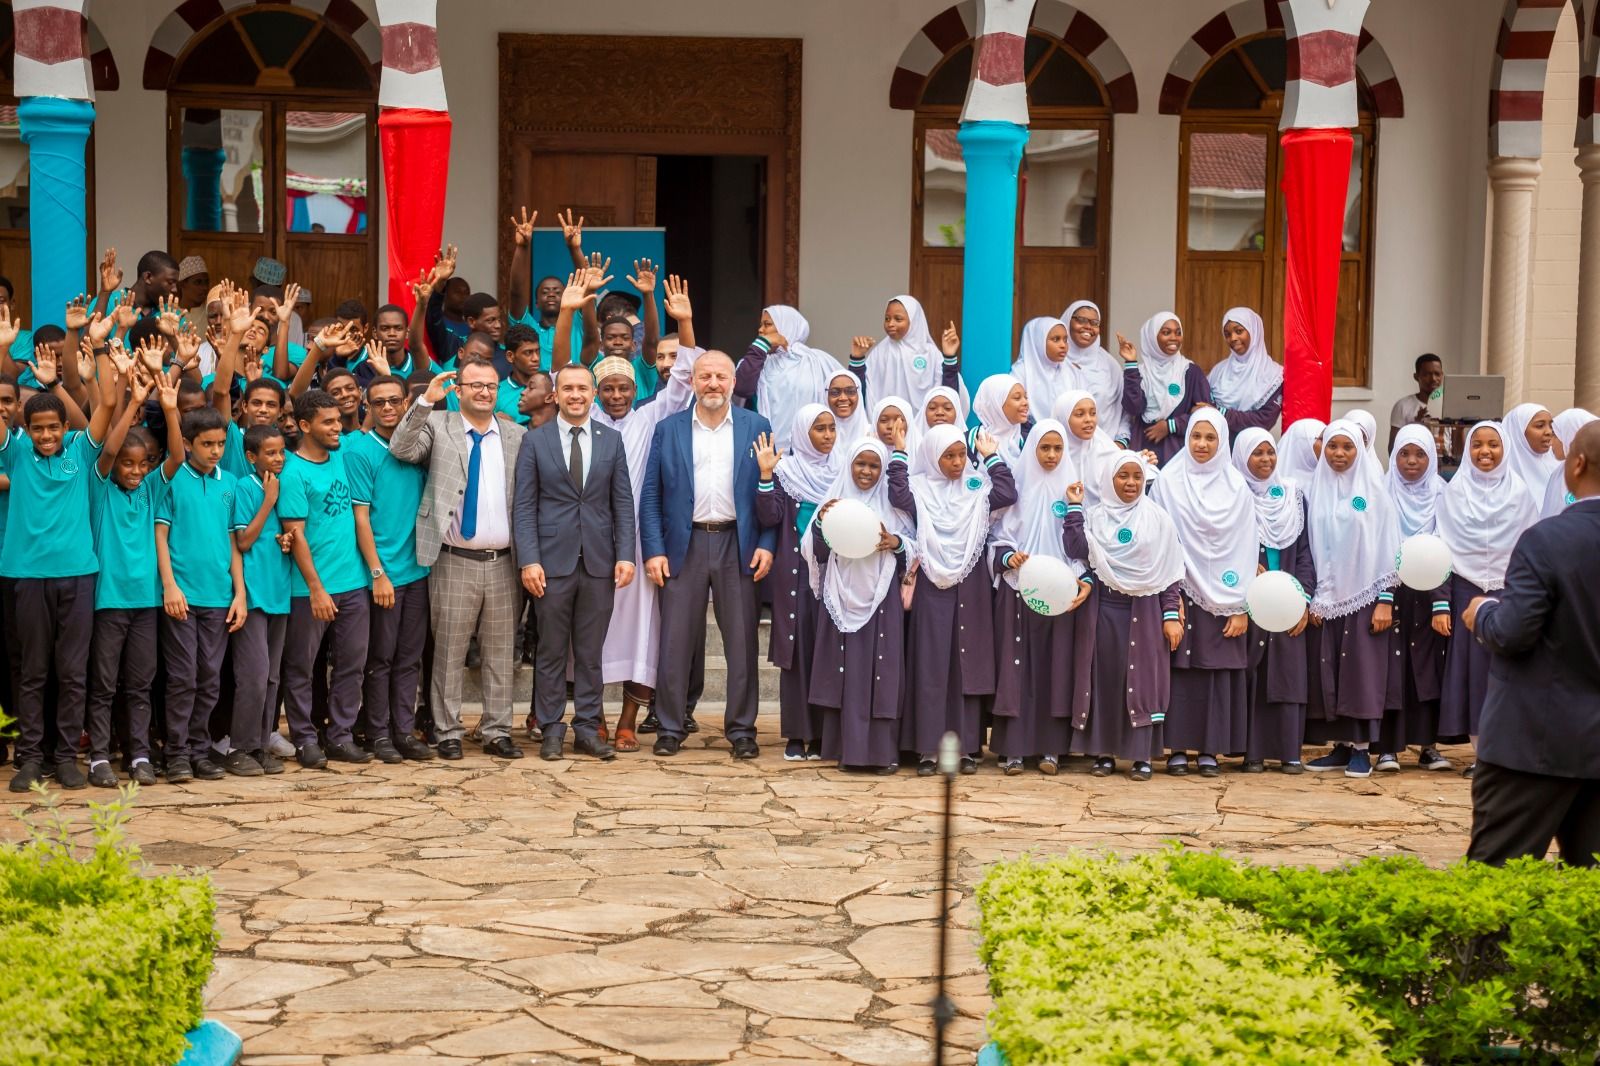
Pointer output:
574, 524
1538, 775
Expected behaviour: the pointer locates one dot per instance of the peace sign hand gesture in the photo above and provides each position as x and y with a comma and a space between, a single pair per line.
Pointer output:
571, 232
522, 229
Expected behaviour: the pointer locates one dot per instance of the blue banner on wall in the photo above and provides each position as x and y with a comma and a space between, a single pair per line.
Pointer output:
623, 244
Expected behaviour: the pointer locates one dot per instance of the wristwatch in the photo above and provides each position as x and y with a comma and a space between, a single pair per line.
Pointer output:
377, 572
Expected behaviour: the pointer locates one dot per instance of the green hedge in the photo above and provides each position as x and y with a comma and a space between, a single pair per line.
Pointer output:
1455, 960
1108, 961
98, 964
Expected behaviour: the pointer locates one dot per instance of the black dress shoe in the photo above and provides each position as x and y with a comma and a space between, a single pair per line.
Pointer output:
143, 773
240, 764
383, 749
550, 746
206, 770
650, 724
666, 746
746, 748
70, 775
595, 747
309, 756
502, 748
689, 724
179, 772
348, 752
449, 749
411, 748
269, 763
28, 774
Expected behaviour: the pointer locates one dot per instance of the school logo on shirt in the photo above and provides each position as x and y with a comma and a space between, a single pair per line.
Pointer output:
1174, 389
919, 363
1124, 535
1571, 499
1359, 503
69, 465
1230, 578
974, 484
336, 501
1059, 509
1276, 492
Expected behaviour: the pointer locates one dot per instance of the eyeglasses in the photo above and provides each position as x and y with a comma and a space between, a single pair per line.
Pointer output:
397, 401
847, 390
477, 386
1079, 320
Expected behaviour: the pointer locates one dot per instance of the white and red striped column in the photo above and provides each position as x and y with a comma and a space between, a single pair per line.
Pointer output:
1586, 383
1319, 108
994, 129
55, 113
414, 138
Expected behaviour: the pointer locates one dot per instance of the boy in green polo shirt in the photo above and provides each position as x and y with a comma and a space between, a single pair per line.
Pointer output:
258, 645
202, 582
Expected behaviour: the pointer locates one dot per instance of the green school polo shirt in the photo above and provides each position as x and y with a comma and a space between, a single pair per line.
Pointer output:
233, 457
198, 514
125, 542
48, 531
319, 493
393, 491
266, 566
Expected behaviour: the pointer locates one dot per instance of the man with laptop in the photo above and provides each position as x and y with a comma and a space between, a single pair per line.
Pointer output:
1446, 414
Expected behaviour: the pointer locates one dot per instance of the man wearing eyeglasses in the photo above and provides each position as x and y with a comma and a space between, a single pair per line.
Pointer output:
463, 532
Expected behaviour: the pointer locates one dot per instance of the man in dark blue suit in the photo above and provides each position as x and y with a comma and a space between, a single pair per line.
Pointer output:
1538, 775
698, 532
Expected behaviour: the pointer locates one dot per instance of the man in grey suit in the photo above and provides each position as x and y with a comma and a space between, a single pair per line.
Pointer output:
574, 528
464, 534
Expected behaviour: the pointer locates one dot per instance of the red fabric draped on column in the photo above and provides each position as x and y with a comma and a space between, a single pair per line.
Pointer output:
1316, 179
416, 170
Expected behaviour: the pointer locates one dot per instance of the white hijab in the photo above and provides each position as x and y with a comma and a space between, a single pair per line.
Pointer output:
989, 406
1556, 496
1415, 502
852, 589
806, 474
1245, 382
923, 427
792, 375
1369, 427
908, 367
1481, 515
1215, 513
1086, 455
1279, 514
1099, 374
1044, 378
855, 427
1531, 468
1032, 525
1133, 547
952, 513
909, 413
1354, 532
1162, 374
1297, 460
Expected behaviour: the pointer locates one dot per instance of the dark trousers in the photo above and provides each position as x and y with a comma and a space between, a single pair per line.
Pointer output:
1516, 814
125, 653
55, 625
394, 662
257, 658
573, 613
192, 650
347, 648
11, 661
711, 565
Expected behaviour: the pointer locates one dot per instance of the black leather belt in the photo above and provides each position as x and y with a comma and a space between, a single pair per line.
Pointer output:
481, 555
716, 527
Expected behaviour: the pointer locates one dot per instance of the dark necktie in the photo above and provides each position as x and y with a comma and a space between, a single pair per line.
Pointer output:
575, 460
469, 502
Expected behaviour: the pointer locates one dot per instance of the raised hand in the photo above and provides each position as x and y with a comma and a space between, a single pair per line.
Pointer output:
1126, 349
153, 354
110, 273
985, 444
678, 305
897, 433
168, 315
376, 359
77, 312
439, 387
577, 293
860, 346
285, 306
643, 277
1075, 492
422, 288
597, 276
100, 327
331, 337
85, 357
167, 393
252, 366
44, 366
120, 360
522, 229
571, 232
123, 313
139, 388
187, 344
240, 315
950, 343
444, 268
9, 327
767, 455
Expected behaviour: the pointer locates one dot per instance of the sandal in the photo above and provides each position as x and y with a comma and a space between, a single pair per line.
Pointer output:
625, 740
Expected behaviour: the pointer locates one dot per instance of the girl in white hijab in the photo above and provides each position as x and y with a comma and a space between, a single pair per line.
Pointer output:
941, 406
1299, 450
858, 671
1566, 426
1042, 361
1215, 515
1248, 384
1043, 663
1098, 372
1002, 406
1354, 537
1277, 676
789, 373
951, 657
843, 397
907, 362
1137, 561
1416, 490
1482, 513
1172, 385
792, 487
1530, 447
889, 412
1369, 427
1088, 444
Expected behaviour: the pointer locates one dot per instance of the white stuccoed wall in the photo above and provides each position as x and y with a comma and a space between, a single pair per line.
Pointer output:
856, 152
1557, 223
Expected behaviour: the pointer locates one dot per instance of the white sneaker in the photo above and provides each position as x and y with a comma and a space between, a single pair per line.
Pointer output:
278, 744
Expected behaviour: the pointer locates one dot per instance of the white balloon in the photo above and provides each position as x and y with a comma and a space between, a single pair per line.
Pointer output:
1277, 601
1423, 562
1047, 584
851, 529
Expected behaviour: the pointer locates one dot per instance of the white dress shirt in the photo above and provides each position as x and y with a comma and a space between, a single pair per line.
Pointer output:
713, 469
494, 525
585, 443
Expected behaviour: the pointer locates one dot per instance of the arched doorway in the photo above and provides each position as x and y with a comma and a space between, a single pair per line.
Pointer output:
272, 150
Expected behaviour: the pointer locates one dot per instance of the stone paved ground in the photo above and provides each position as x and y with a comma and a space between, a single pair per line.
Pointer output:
683, 910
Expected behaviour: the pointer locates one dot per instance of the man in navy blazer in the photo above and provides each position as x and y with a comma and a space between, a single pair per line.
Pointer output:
1538, 775
698, 532
573, 515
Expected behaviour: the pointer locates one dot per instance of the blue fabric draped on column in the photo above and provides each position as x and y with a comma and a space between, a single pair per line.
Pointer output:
56, 132
992, 151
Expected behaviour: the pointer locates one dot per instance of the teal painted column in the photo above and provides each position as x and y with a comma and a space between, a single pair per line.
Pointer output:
202, 176
56, 132
992, 151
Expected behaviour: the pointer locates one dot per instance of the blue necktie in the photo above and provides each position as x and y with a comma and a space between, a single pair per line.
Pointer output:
469, 504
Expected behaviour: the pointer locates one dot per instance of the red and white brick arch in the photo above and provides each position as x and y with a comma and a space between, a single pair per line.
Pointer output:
59, 52
1253, 17
959, 24
192, 16
1516, 87
1588, 72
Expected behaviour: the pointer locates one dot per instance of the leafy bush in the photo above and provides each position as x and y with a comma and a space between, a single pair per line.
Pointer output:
1455, 960
97, 963
1108, 961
